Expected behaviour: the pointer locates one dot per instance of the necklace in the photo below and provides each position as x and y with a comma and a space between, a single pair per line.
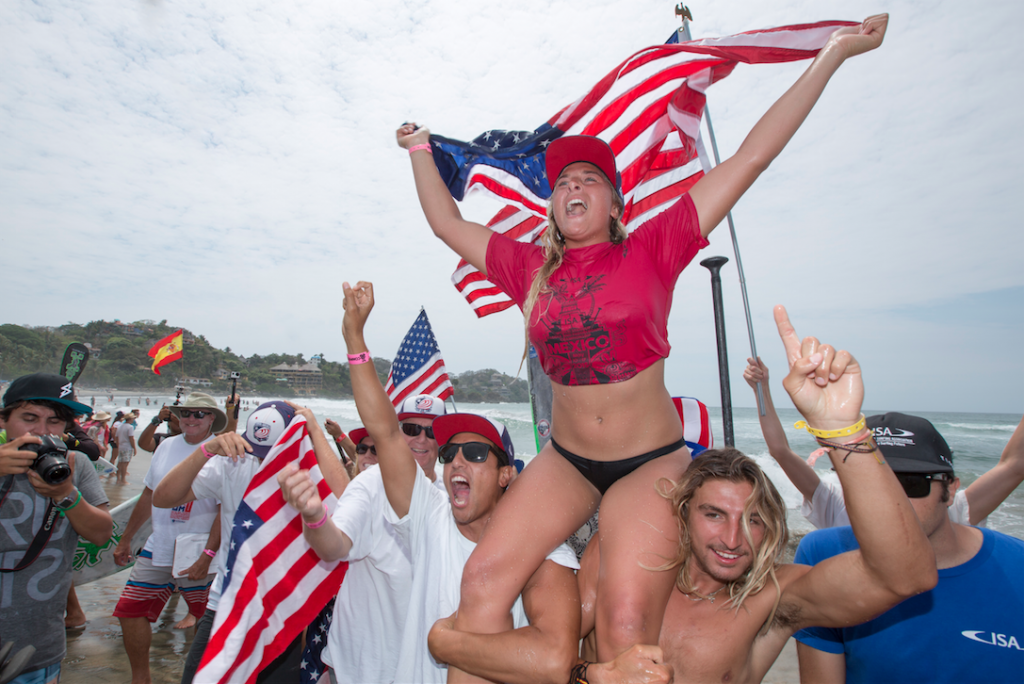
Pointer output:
710, 597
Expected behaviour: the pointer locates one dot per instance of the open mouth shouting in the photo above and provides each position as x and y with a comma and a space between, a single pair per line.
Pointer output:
460, 491
575, 207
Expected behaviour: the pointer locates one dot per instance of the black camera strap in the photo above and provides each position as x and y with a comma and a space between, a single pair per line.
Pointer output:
42, 536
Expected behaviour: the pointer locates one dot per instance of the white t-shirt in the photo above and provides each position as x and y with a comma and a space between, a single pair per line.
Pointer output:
168, 523
369, 615
439, 553
225, 481
828, 507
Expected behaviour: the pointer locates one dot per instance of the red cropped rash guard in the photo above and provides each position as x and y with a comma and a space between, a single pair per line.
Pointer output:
605, 318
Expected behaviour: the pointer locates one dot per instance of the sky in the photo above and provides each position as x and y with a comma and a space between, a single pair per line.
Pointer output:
226, 166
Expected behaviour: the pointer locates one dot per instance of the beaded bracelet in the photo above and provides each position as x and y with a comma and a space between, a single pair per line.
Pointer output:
862, 446
579, 673
421, 146
318, 523
830, 434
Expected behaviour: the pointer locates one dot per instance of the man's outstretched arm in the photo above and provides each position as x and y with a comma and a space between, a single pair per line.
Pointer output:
543, 651
799, 473
986, 493
397, 465
895, 560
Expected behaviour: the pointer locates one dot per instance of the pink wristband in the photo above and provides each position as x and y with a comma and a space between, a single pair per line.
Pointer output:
356, 359
318, 523
422, 146
207, 454
209, 552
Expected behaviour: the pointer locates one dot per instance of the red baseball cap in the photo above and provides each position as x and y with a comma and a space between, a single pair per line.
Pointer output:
570, 149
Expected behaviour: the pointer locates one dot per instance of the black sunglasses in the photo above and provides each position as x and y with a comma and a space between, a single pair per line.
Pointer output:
413, 430
190, 413
918, 485
474, 452
363, 448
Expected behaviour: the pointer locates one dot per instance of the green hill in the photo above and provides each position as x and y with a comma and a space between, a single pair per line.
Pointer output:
119, 359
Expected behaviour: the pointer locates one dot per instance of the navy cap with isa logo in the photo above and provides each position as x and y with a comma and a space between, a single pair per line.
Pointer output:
911, 444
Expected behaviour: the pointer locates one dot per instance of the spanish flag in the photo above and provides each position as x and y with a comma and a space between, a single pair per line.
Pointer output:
166, 350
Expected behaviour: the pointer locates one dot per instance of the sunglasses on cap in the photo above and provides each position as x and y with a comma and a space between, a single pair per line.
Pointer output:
190, 413
363, 448
413, 430
918, 485
474, 452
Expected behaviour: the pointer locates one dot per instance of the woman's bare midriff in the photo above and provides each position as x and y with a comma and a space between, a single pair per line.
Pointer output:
617, 420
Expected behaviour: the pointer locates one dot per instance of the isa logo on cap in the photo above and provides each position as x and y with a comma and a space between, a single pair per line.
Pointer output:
423, 403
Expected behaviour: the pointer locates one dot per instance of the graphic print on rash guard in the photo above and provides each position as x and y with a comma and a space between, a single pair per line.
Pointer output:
577, 344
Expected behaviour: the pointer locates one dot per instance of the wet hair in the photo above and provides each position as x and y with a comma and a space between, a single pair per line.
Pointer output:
554, 249
60, 410
731, 465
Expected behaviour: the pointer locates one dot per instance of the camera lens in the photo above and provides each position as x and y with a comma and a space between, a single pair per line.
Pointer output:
51, 462
53, 469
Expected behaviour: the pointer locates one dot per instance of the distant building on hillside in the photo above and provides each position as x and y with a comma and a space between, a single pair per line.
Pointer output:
304, 379
201, 382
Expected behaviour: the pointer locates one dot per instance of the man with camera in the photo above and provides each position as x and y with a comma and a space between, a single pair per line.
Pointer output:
49, 496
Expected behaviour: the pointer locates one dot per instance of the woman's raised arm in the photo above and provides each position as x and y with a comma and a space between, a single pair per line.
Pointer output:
467, 239
716, 194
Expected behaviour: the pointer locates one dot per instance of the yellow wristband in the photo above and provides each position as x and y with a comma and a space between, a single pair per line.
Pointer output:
832, 434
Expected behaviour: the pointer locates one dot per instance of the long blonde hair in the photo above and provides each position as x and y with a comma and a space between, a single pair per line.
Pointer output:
554, 249
730, 464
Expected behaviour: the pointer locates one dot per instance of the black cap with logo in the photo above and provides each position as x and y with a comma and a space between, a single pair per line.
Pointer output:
911, 444
44, 387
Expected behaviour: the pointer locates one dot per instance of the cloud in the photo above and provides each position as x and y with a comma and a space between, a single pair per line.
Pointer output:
227, 166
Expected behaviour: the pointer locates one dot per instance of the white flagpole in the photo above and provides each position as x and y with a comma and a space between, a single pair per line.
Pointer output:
684, 33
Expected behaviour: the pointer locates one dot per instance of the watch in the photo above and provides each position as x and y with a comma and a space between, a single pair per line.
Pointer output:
69, 501
155, 420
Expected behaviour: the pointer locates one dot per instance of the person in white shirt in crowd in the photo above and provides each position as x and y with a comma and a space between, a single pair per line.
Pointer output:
436, 530
152, 580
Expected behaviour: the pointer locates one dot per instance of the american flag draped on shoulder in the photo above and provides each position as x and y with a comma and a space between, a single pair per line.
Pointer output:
275, 583
648, 109
418, 367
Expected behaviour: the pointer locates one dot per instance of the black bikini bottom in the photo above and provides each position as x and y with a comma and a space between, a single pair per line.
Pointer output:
603, 474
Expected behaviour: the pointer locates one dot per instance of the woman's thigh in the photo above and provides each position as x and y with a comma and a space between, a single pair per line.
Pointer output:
638, 533
546, 503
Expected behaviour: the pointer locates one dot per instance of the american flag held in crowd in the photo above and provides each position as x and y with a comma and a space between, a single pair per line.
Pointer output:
275, 584
418, 367
648, 109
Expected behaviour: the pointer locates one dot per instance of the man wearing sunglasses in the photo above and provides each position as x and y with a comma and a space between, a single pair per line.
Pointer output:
152, 581
373, 601
969, 628
435, 530
415, 417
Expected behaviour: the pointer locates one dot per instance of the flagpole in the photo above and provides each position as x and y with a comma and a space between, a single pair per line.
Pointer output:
684, 12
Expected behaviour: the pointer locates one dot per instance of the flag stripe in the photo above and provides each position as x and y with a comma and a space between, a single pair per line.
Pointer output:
648, 109
418, 367
275, 583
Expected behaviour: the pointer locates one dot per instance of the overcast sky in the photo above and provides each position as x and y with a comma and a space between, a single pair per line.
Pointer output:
226, 165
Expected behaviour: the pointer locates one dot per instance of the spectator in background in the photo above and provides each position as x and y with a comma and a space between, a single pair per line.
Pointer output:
125, 445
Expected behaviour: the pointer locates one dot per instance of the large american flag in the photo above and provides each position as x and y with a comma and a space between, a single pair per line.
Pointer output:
275, 584
648, 109
418, 367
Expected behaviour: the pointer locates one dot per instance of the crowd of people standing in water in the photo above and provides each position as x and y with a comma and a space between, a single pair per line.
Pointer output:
467, 578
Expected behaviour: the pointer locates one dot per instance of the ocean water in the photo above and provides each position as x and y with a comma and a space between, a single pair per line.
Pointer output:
977, 440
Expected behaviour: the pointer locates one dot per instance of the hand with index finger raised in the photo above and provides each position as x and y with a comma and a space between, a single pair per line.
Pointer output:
825, 385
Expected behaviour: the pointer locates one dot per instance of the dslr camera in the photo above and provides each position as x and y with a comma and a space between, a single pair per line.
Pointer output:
51, 461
